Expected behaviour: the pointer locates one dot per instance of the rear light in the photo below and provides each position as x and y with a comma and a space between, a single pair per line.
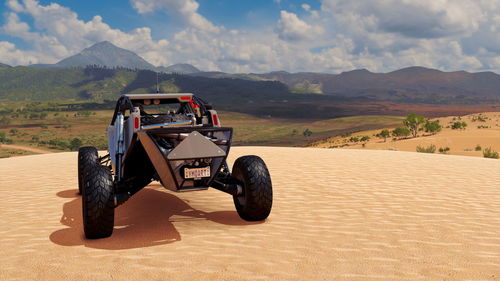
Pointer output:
136, 123
215, 120
185, 98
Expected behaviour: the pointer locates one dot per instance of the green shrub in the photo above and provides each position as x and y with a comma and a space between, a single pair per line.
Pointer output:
75, 144
444, 149
429, 149
478, 148
384, 134
364, 138
401, 132
459, 126
490, 153
307, 133
432, 127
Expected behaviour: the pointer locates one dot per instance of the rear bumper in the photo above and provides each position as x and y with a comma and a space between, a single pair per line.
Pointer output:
173, 149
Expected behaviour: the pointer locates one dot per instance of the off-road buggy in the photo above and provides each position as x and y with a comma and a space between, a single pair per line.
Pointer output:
176, 139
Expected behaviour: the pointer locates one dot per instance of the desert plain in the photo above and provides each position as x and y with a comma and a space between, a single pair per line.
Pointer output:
337, 215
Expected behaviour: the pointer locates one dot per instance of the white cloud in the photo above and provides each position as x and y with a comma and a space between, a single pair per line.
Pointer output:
415, 19
291, 28
11, 55
187, 10
57, 33
380, 35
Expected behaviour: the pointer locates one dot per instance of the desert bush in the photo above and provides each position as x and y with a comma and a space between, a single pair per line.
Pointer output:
307, 133
364, 138
4, 139
478, 148
57, 143
354, 139
459, 126
43, 126
401, 132
13, 132
432, 127
479, 118
430, 149
75, 144
490, 153
444, 149
384, 134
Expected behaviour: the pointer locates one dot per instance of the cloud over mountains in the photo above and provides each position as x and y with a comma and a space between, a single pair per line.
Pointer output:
337, 35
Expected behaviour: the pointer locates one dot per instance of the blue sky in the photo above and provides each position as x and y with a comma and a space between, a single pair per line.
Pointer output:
261, 35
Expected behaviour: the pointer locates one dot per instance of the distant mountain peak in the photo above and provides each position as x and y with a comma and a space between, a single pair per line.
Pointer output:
416, 69
106, 54
182, 68
358, 71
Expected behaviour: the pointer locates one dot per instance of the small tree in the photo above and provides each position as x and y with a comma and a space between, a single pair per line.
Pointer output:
401, 132
307, 133
414, 123
432, 127
384, 134
75, 144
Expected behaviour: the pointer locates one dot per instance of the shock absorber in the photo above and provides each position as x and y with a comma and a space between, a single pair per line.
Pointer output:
119, 144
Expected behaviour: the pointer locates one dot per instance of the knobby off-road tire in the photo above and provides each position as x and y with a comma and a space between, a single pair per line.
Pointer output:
257, 199
87, 156
97, 202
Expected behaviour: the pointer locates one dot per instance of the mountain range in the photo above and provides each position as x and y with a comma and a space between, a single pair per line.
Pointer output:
108, 55
105, 69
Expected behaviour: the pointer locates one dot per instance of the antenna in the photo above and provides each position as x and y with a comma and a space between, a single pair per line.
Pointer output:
157, 84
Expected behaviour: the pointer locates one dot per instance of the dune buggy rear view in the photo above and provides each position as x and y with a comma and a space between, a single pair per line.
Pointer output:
176, 139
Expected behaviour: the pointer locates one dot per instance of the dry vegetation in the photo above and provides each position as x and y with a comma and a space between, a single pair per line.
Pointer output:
472, 135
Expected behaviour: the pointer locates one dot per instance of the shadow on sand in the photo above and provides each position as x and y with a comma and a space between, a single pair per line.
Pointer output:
143, 221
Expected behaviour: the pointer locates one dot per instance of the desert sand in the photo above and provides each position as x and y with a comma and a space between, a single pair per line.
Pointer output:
460, 142
337, 215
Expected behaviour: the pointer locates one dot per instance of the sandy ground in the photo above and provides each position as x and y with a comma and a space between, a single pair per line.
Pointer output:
337, 215
460, 142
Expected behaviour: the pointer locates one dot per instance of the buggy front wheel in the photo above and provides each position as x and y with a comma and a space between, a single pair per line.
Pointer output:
87, 156
98, 202
256, 201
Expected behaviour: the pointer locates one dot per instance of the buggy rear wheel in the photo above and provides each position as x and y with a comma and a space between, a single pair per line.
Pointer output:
257, 199
97, 202
87, 156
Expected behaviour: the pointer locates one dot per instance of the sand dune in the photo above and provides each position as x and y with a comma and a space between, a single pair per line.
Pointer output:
460, 142
337, 215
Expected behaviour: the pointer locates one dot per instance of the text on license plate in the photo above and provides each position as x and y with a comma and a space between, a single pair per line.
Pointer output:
194, 173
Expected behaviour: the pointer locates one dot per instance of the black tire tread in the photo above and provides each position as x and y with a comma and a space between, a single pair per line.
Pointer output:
87, 155
98, 202
253, 173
